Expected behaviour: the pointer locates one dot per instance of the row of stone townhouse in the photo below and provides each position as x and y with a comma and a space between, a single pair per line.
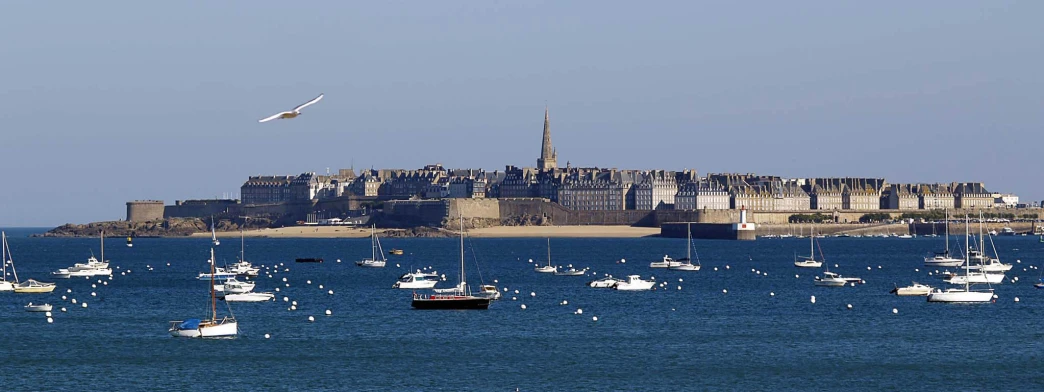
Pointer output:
612, 189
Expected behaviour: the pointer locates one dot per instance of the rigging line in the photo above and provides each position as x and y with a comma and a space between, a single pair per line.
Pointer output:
474, 257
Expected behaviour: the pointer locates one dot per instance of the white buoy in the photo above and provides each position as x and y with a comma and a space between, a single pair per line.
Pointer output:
895, 311
878, 267
397, 265
93, 294
288, 285
496, 281
523, 306
74, 301
105, 283
681, 280
48, 314
311, 318
63, 298
293, 303
594, 318
320, 287
813, 299
797, 276
293, 307
1016, 299
50, 320
277, 289
715, 268
516, 291
286, 299
94, 286
623, 261
267, 336
284, 279
68, 290
505, 289
532, 294
679, 287
514, 298
726, 266
308, 281
1015, 278
917, 270
564, 302
579, 311
995, 296
338, 260
724, 291
83, 305
849, 306
328, 312
868, 268
330, 292
168, 264
63, 310
772, 294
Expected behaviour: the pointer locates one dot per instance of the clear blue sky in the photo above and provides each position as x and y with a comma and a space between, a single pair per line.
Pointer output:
106, 102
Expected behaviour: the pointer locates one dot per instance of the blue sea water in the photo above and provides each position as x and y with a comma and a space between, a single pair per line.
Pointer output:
696, 338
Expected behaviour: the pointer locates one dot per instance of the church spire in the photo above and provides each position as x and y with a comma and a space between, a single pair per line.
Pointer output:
548, 155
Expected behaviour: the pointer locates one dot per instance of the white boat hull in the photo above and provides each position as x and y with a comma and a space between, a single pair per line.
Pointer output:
604, 283
977, 278
249, 297
6, 286
830, 282
371, 263
685, 267
38, 308
942, 262
808, 264
960, 296
425, 284
546, 269
224, 329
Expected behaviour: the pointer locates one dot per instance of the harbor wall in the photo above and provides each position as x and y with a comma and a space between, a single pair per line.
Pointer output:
710, 231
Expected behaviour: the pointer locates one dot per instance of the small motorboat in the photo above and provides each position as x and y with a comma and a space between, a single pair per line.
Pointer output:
233, 286
916, 289
634, 283
34, 286
61, 274
571, 272
396, 252
604, 283
218, 274
667, 262
488, 291
309, 260
830, 279
416, 280
38, 307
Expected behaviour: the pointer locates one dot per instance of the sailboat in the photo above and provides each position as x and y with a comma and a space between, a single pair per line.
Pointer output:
30, 286
213, 233
375, 246
129, 244
686, 263
943, 259
548, 269
461, 299
5, 285
208, 328
962, 294
243, 267
810, 261
93, 267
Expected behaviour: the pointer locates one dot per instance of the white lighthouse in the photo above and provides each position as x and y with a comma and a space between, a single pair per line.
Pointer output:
743, 229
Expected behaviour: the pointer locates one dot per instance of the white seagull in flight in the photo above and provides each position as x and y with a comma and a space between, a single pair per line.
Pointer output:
293, 113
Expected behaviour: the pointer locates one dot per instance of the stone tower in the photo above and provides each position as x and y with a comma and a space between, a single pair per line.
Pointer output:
548, 156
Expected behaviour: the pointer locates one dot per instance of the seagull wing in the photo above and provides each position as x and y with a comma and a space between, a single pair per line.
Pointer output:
272, 117
303, 105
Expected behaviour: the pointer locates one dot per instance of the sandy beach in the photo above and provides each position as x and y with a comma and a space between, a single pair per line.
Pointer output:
488, 232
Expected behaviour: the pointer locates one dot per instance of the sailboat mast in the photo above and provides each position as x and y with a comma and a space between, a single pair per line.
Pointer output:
688, 242
947, 232
103, 246
462, 281
548, 251
242, 246
8, 250
213, 298
812, 241
4, 260
967, 279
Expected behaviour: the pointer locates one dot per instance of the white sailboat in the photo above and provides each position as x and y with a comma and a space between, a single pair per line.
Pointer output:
375, 247
686, 263
208, 328
243, 267
6, 285
943, 259
93, 267
30, 286
962, 294
810, 261
213, 233
548, 269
